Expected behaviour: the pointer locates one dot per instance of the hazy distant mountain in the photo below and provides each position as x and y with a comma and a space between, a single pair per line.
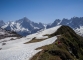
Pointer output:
23, 26
1, 23
76, 23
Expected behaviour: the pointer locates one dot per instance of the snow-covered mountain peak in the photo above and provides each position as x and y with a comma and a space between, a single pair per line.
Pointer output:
23, 26
23, 20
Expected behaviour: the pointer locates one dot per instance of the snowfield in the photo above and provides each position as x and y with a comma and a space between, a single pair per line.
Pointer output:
79, 31
7, 39
17, 50
41, 34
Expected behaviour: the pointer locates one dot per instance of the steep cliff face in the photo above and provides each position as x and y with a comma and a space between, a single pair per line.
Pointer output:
68, 46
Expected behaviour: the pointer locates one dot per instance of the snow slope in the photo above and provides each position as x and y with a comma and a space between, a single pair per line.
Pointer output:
79, 30
20, 51
41, 34
17, 50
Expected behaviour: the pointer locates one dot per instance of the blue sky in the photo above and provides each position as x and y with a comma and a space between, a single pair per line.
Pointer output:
45, 11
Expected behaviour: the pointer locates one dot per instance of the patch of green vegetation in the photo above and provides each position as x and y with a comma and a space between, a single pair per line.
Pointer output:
34, 40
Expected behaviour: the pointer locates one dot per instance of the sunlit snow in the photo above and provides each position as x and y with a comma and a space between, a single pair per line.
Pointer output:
17, 50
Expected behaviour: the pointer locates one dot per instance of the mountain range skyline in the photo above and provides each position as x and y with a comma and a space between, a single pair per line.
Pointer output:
39, 21
24, 26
